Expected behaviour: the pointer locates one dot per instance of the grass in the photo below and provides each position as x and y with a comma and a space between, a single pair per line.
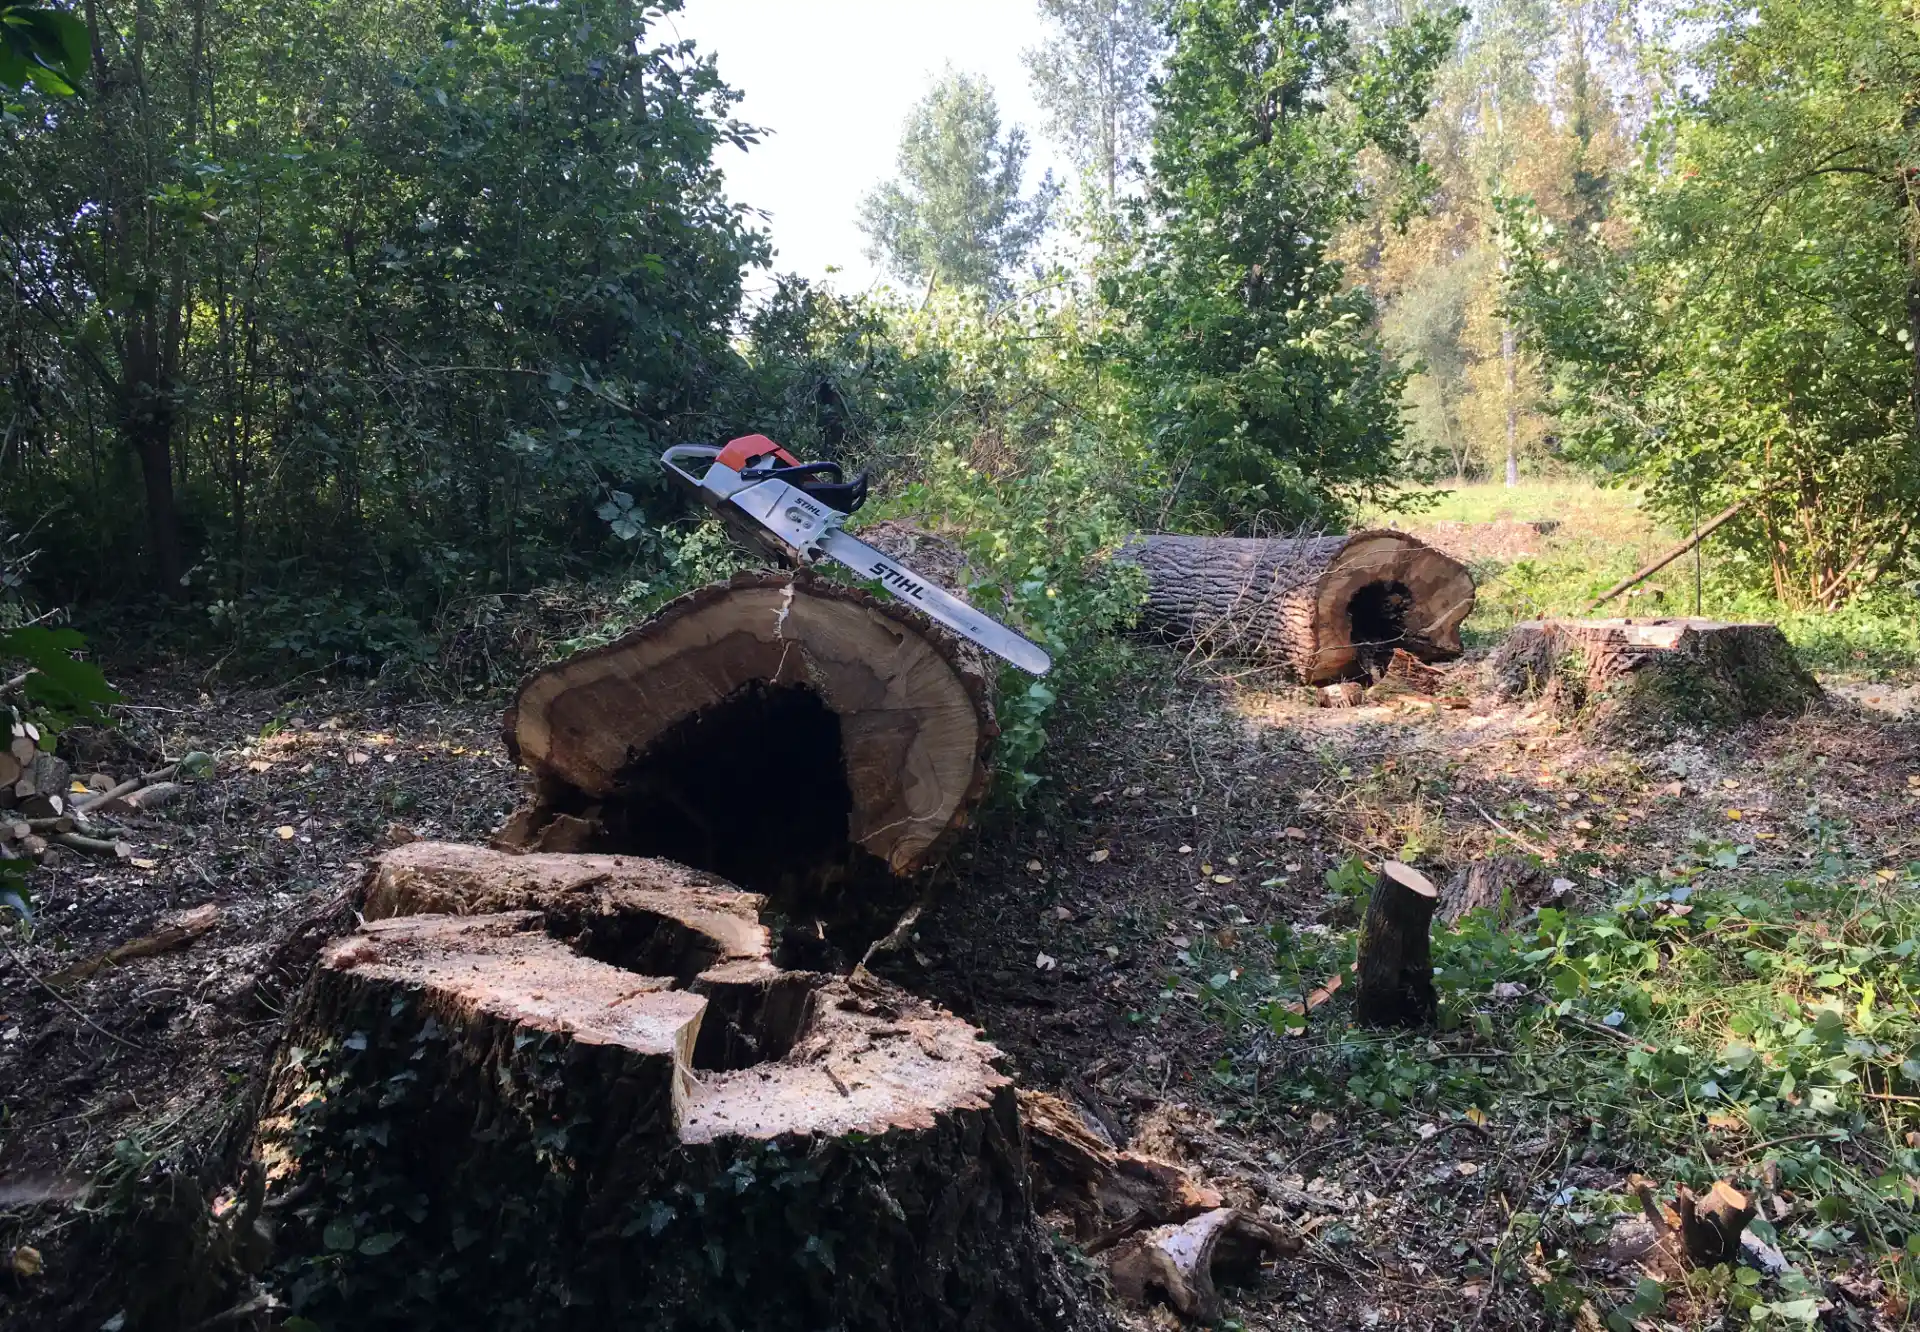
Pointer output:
1765, 1032
1604, 535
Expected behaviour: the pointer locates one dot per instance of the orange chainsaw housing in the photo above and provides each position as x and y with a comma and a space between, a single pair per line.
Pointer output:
739, 452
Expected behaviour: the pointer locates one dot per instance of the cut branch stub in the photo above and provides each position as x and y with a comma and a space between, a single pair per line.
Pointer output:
523, 1119
1655, 674
766, 729
1323, 608
1396, 950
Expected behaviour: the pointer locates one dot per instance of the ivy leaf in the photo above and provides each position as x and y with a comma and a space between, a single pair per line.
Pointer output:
338, 1236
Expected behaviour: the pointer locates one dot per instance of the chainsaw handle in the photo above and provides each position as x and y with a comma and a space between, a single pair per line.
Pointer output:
672, 457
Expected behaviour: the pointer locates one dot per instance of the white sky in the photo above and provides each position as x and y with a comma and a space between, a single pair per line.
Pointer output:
833, 80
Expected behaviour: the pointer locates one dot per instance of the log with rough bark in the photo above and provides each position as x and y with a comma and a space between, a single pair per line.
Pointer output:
1395, 966
1508, 886
781, 730
1655, 674
1323, 608
518, 1120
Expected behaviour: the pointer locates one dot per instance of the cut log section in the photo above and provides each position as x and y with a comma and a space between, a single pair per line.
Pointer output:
1180, 1263
503, 1120
1655, 674
1396, 950
779, 730
1324, 609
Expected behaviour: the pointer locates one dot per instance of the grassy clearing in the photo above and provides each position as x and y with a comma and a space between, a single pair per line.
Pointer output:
1766, 1030
1604, 535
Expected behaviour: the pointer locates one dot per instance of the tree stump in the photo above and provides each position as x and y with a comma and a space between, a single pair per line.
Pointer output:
1656, 674
520, 1120
1324, 609
798, 737
1396, 950
1509, 886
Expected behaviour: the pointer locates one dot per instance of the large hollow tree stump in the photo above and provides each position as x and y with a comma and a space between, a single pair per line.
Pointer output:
518, 1120
801, 738
1657, 674
1396, 950
1323, 608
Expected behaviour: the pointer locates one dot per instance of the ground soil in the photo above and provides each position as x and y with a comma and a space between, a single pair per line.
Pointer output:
1192, 807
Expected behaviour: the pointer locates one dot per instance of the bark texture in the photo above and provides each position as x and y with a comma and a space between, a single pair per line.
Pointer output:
770, 729
517, 1119
1657, 674
1396, 951
1324, 609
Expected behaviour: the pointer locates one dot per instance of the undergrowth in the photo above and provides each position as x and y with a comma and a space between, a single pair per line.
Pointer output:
1760, 1029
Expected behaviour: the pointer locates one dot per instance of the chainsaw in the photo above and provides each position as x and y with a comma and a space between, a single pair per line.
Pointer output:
792, 512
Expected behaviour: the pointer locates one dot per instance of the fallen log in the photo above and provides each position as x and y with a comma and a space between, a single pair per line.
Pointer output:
1104, 1192
176, 931
783, 731
1395, 965
537, 1091
1324, 609
1655, 674
1181, 1263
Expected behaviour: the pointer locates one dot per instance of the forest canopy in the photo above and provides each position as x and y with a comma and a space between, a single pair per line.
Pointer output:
328, 328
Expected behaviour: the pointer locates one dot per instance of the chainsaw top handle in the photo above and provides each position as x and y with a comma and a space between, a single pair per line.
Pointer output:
757, 458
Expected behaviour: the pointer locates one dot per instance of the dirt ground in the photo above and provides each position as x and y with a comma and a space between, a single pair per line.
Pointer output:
1193, 810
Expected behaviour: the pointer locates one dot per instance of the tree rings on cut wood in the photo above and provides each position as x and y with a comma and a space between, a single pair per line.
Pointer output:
609, 1109
777, 729
1658, 674
1396, 950
1324, 609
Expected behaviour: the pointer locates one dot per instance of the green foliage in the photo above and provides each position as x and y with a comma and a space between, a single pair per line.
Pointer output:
42, 47
956, 212
1251, 362
1760, 1024
409, 344
1091, 78
1756, 335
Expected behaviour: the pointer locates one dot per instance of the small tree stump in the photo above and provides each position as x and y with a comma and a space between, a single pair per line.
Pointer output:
1711, 1226
612, 1110
1395, 967
1655, 674
1509, 886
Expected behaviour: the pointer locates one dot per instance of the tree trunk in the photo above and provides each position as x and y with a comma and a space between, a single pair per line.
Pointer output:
518, 1120
1510, 375
147, 425
1325, 608
1396, 951
801, 738
1655, 674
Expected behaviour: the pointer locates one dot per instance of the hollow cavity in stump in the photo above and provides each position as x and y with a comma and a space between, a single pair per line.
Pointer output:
801, 738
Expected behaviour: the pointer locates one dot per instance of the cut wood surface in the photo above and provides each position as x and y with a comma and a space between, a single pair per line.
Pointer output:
1395, 980
1323, 608
852, 1148
1657, 673
760, 728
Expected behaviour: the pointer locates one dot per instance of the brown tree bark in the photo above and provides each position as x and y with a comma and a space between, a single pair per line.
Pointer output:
776, 729
1396, 950
1323, 608
518, 1120
1655, 674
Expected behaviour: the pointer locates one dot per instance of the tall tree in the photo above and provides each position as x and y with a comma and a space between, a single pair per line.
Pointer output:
1755, 336
1251, 358
956, 213
1091, 77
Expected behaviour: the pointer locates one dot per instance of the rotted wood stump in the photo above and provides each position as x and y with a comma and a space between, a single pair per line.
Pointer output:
1656, 674
1395, 965
520, 1119
1324, 609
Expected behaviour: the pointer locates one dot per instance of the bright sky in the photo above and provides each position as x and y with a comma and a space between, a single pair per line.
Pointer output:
833, 81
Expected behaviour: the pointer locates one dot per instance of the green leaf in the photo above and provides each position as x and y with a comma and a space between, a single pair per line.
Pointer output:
375, 1245
338, 1235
